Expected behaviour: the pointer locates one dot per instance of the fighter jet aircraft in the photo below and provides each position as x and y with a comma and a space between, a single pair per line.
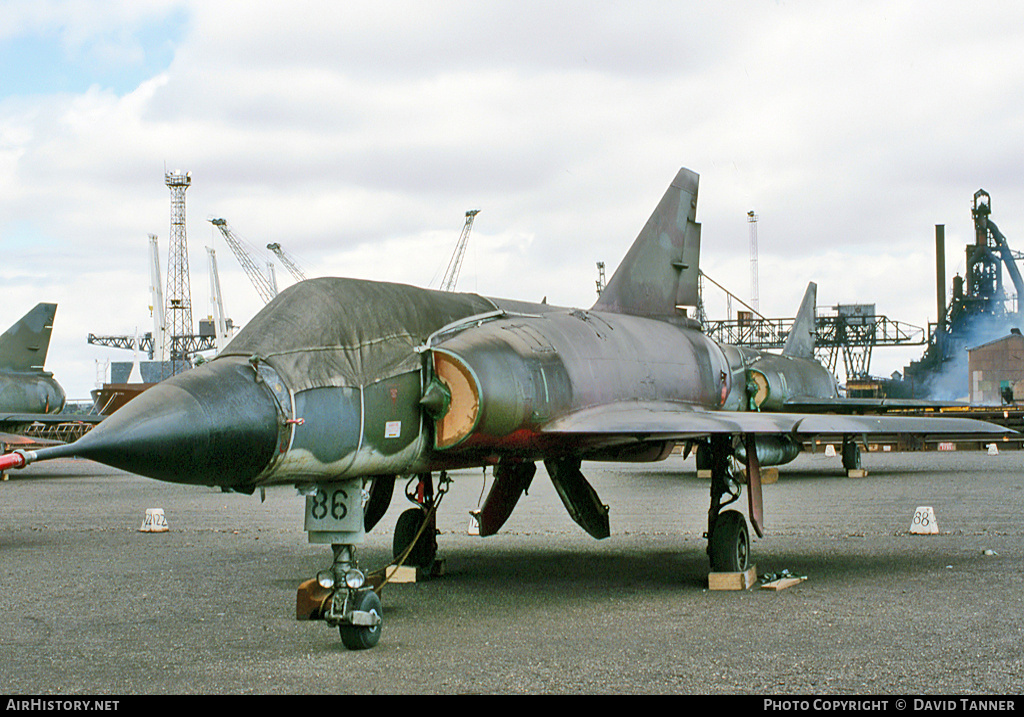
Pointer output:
25, 387
339, 386
29, 393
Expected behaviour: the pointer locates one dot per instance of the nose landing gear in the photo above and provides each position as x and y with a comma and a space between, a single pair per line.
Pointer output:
340, 595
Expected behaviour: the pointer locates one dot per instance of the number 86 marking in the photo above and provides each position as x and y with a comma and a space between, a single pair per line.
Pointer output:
338, 509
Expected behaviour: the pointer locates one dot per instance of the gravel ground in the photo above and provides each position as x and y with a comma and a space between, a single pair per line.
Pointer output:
93, 606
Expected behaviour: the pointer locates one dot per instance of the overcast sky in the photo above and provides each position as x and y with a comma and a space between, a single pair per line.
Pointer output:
358, 134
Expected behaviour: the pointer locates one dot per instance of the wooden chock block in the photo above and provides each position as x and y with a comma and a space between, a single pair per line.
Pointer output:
768, 476
783, 583
309, 601
733, 581
400, 574
856, 473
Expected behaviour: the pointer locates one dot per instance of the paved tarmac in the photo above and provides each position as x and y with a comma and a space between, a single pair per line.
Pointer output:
93, 606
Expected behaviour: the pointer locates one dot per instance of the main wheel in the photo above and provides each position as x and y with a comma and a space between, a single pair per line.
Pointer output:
361, 637
423, 553
851, 455
702, 455
730, 543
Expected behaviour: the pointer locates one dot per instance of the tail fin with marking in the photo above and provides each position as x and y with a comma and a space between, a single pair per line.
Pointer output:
800, 342
23, 347
660, 271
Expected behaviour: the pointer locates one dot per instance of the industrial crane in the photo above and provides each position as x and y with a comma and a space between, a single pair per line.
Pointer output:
451, 276
266, 288
288, 260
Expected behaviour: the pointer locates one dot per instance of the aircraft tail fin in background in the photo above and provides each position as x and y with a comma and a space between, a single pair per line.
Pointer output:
23, 347
800, 342
660, 271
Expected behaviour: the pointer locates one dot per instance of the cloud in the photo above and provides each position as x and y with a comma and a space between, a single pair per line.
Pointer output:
51, 46
357, 135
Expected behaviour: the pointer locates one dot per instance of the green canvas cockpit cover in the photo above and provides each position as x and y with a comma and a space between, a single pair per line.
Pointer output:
349, 332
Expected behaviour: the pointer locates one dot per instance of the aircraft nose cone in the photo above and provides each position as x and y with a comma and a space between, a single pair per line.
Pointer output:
212, 425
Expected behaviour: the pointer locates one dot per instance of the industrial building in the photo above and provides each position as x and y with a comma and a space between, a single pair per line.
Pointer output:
980, 310
997, 371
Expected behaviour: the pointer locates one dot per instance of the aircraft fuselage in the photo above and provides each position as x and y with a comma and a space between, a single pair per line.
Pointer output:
512, 376
499, 381
30, 392
487, 386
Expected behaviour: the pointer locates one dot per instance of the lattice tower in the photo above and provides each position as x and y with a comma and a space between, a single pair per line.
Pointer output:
754, 298
178, 313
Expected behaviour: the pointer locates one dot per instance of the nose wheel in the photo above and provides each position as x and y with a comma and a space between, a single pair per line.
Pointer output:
365, 608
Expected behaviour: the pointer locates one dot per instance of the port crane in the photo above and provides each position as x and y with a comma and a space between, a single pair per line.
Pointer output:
451, 275
288, 260
266, 286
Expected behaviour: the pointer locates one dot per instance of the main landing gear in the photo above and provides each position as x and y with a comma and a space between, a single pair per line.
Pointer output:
415, 541
728, 536
851, 453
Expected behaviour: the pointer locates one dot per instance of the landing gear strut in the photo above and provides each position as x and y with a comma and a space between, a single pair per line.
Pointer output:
340, 595
728, 546
416, 530
728, 536
353, 606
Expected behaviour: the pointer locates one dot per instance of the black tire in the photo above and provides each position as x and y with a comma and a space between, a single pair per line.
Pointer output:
702, 455
423, 554
361, 637
851, 455
381, 490
730, 543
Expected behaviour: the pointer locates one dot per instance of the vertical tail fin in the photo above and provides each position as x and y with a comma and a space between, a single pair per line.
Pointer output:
660, 271
23, 347
800, 342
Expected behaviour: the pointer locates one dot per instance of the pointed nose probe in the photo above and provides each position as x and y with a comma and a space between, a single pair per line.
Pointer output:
212, 425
